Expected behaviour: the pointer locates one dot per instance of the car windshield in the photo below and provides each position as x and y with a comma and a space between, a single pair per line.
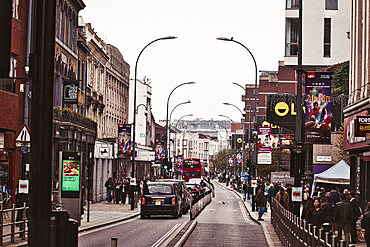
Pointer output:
160, 189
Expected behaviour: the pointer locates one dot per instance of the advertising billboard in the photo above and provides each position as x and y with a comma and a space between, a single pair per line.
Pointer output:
70, 172
124, 139
159, 150
239, 157
231, 160
264, 145
318, 107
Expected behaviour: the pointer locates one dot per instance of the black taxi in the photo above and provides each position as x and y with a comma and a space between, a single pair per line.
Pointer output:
163, 198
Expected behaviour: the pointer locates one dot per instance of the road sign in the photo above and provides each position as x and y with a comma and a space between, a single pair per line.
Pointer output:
24, 135
254, 183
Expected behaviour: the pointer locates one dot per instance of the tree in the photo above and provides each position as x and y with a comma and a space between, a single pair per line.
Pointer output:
220, 160
338, 142
340, 82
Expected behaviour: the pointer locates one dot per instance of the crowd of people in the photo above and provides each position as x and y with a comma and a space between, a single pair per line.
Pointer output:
119, 190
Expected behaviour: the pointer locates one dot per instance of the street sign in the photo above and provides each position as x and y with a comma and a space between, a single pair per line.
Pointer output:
254, 183
296, 194
24, 135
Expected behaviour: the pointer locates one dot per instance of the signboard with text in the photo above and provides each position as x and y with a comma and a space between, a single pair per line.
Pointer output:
264, 145
362, 126
124, 139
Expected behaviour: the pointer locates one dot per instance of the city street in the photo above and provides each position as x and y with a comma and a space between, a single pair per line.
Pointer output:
133, 232
224, 222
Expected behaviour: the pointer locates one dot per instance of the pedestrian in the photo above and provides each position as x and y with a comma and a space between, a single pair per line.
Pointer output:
365, 224
289, 190
109, 185
261, 202
283, 198
307, 208
145, 188
334, 193
128, 190
245, 189
306, 195
314, 214
250, 193
118, 191
271, 193
342, 217
123, 191
356, 213
327, 208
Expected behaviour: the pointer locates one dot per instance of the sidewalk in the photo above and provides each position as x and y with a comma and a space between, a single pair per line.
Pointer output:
104, 213
269, 231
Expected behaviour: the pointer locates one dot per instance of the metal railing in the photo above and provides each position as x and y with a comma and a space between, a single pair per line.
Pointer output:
293, 231
8, 226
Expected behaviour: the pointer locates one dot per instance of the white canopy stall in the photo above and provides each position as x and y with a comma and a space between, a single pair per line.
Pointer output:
337, 174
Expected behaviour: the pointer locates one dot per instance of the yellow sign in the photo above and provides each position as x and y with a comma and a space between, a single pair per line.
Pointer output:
282, 109
239, 140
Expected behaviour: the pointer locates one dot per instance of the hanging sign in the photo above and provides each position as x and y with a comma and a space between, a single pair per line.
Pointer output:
318, 108
70, 92
264, 145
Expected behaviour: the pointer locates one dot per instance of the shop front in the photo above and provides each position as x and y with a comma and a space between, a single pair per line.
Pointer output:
358, 148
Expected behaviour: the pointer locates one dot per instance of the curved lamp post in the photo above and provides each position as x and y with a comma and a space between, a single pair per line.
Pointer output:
235, 133
169, 144
255, 82
227, 147
243, 146
168, 101
188, 115
134, 118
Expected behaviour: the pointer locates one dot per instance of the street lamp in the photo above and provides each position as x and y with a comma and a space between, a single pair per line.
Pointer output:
227, 148
188, 115
243, 147
168, 101
134, 118
255, 83
169, 144
235, 132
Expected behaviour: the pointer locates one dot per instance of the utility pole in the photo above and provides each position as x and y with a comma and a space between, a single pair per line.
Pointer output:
42, 73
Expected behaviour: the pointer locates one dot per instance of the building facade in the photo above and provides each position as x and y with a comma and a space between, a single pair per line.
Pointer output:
358, 105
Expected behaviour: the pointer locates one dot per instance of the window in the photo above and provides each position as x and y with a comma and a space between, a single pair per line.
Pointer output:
327, 36
291, 41
331, 4
15, 9
292, 4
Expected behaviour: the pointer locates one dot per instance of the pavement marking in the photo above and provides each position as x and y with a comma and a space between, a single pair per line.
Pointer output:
106, 227
242, 208
158, 243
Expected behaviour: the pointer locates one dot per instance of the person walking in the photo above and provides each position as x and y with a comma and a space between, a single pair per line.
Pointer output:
365, 224
271, 193
245, 189
123, 191
307, 208
342, 216
261, 201
283, 197
314, 214
327, 208
118, 191
109, 185
356, 213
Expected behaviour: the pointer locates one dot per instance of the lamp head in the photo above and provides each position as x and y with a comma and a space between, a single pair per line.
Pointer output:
224, 39
226, 103
170, 37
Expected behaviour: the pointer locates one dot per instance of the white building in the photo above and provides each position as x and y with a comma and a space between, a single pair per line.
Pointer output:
326, 27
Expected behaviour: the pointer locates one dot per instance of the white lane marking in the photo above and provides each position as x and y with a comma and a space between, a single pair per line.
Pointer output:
242, 208
106, 227
158, 243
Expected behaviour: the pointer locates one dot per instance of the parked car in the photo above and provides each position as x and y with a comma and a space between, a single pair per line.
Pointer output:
185, 195
163, 198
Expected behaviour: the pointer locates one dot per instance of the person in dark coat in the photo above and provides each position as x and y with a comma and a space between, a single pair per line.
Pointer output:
118, 191
314, 214
261, 201
109, 185
124, 191
307, 208
365, 224
356, 213
342, 217
327, 208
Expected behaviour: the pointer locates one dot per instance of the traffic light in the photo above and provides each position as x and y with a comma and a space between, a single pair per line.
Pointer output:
165, 163
170, 166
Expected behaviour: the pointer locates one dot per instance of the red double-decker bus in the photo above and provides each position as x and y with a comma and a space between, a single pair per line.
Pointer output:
192, 168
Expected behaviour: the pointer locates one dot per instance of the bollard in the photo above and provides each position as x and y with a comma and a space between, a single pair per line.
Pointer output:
342, 243
113, 242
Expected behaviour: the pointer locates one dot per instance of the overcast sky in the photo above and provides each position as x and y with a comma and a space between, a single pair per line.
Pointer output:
195, 55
